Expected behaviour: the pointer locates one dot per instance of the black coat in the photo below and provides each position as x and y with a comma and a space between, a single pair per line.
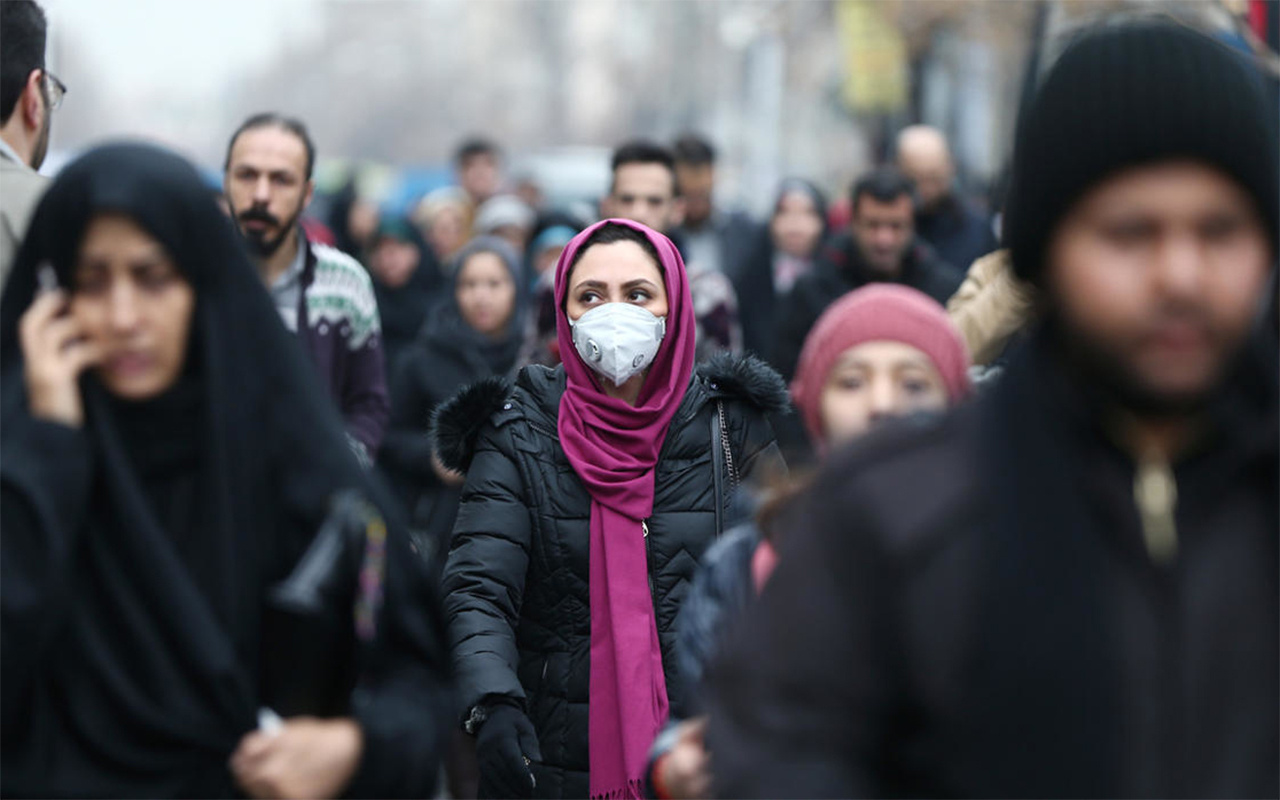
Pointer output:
838, 270
957, 232
439, 363
516, 579
899, 650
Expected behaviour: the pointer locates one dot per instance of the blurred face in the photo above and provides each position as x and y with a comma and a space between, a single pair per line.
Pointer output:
266, 186
486, 294
883, 232
621, 272
393, 262
447, 232
645, 193
876, 381
1157, 274
796, 225
932, 173
480, 177
362, 221
696, 184
513, 235
547, 259
131, 299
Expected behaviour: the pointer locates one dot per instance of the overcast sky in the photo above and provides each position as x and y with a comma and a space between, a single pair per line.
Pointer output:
183, 45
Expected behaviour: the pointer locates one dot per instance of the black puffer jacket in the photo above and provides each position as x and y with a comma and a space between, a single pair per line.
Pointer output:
517, 572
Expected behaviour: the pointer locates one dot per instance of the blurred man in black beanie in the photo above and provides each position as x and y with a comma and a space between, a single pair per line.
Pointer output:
1069, 588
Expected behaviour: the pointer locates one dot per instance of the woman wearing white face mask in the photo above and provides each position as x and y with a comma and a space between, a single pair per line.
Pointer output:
592, 490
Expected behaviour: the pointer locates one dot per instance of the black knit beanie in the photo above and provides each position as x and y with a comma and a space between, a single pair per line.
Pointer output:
1130, 94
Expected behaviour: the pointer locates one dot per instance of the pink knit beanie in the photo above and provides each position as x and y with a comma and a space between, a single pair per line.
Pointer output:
877, 313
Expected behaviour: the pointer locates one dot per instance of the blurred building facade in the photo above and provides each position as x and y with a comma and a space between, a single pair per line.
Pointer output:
816, 89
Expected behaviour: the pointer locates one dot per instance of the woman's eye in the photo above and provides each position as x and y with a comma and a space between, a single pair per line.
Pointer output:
154, 279
587, 297
89, 282
915, 387
638, 296
850, 384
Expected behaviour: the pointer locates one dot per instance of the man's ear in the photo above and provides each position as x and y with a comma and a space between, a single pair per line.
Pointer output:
311, 192
606, 207
31, 102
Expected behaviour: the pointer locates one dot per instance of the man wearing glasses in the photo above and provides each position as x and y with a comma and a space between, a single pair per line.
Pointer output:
28, 95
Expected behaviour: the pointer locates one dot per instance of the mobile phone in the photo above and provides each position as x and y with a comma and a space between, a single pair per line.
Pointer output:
46, 279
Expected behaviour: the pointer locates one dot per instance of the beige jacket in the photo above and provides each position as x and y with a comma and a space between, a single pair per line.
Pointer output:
990, 306
20, 190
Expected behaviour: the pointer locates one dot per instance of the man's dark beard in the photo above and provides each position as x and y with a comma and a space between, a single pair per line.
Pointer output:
259, 244
1119, 385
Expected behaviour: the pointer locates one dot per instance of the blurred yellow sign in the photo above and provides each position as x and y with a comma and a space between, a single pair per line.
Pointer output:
876, 74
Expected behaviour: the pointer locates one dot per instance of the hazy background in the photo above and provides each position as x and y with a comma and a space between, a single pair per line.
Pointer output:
800, 87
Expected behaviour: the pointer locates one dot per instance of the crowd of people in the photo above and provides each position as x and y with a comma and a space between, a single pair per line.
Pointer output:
496, 499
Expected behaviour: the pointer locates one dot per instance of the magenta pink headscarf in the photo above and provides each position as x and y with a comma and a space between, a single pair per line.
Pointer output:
613, 448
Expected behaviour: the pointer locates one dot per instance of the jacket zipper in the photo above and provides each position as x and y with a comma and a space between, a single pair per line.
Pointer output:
1155, 491
648, 559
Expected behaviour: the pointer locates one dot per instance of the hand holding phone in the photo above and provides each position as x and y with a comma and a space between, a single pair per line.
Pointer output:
55, 351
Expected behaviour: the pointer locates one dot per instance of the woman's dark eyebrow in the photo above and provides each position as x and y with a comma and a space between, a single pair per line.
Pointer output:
638, 282
590, 285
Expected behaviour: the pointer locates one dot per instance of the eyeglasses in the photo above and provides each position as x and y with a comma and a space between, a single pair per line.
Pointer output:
54, 89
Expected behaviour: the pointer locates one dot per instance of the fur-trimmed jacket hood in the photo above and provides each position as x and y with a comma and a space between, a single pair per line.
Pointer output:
536, 392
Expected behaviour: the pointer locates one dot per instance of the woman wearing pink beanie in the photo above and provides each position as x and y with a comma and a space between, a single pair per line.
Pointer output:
881, 351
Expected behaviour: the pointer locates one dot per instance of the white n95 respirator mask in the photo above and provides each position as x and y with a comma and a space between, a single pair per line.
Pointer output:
618, 340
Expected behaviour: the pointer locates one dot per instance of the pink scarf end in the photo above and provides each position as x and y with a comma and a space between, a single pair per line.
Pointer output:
634, 790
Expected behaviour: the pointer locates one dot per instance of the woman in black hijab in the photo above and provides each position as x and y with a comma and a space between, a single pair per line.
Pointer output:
476, 332
406, 280
184, 524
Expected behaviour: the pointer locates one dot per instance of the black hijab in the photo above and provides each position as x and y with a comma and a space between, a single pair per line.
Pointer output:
404, 309
201, 498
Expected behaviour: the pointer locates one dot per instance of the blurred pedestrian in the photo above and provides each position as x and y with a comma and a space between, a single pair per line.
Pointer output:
880, 246
783, 252
407, 282
475, 333
591, 492
443, 218
879, 353
948, 222
478, 168
545, 253
508, 218
711, 237
1070, 587
28, 95
323, 295
644, 189
166, 465
991, 307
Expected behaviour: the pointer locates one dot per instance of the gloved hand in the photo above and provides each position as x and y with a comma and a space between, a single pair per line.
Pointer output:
505, 746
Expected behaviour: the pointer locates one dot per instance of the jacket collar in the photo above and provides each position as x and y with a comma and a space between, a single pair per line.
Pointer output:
535, 395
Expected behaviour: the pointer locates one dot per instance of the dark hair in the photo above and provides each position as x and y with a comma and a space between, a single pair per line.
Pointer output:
270, 119
22, 39
611, 233
884, 184
644, 152
694, 150
475, 146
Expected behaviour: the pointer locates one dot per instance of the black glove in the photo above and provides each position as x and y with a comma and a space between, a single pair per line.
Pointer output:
505, 746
